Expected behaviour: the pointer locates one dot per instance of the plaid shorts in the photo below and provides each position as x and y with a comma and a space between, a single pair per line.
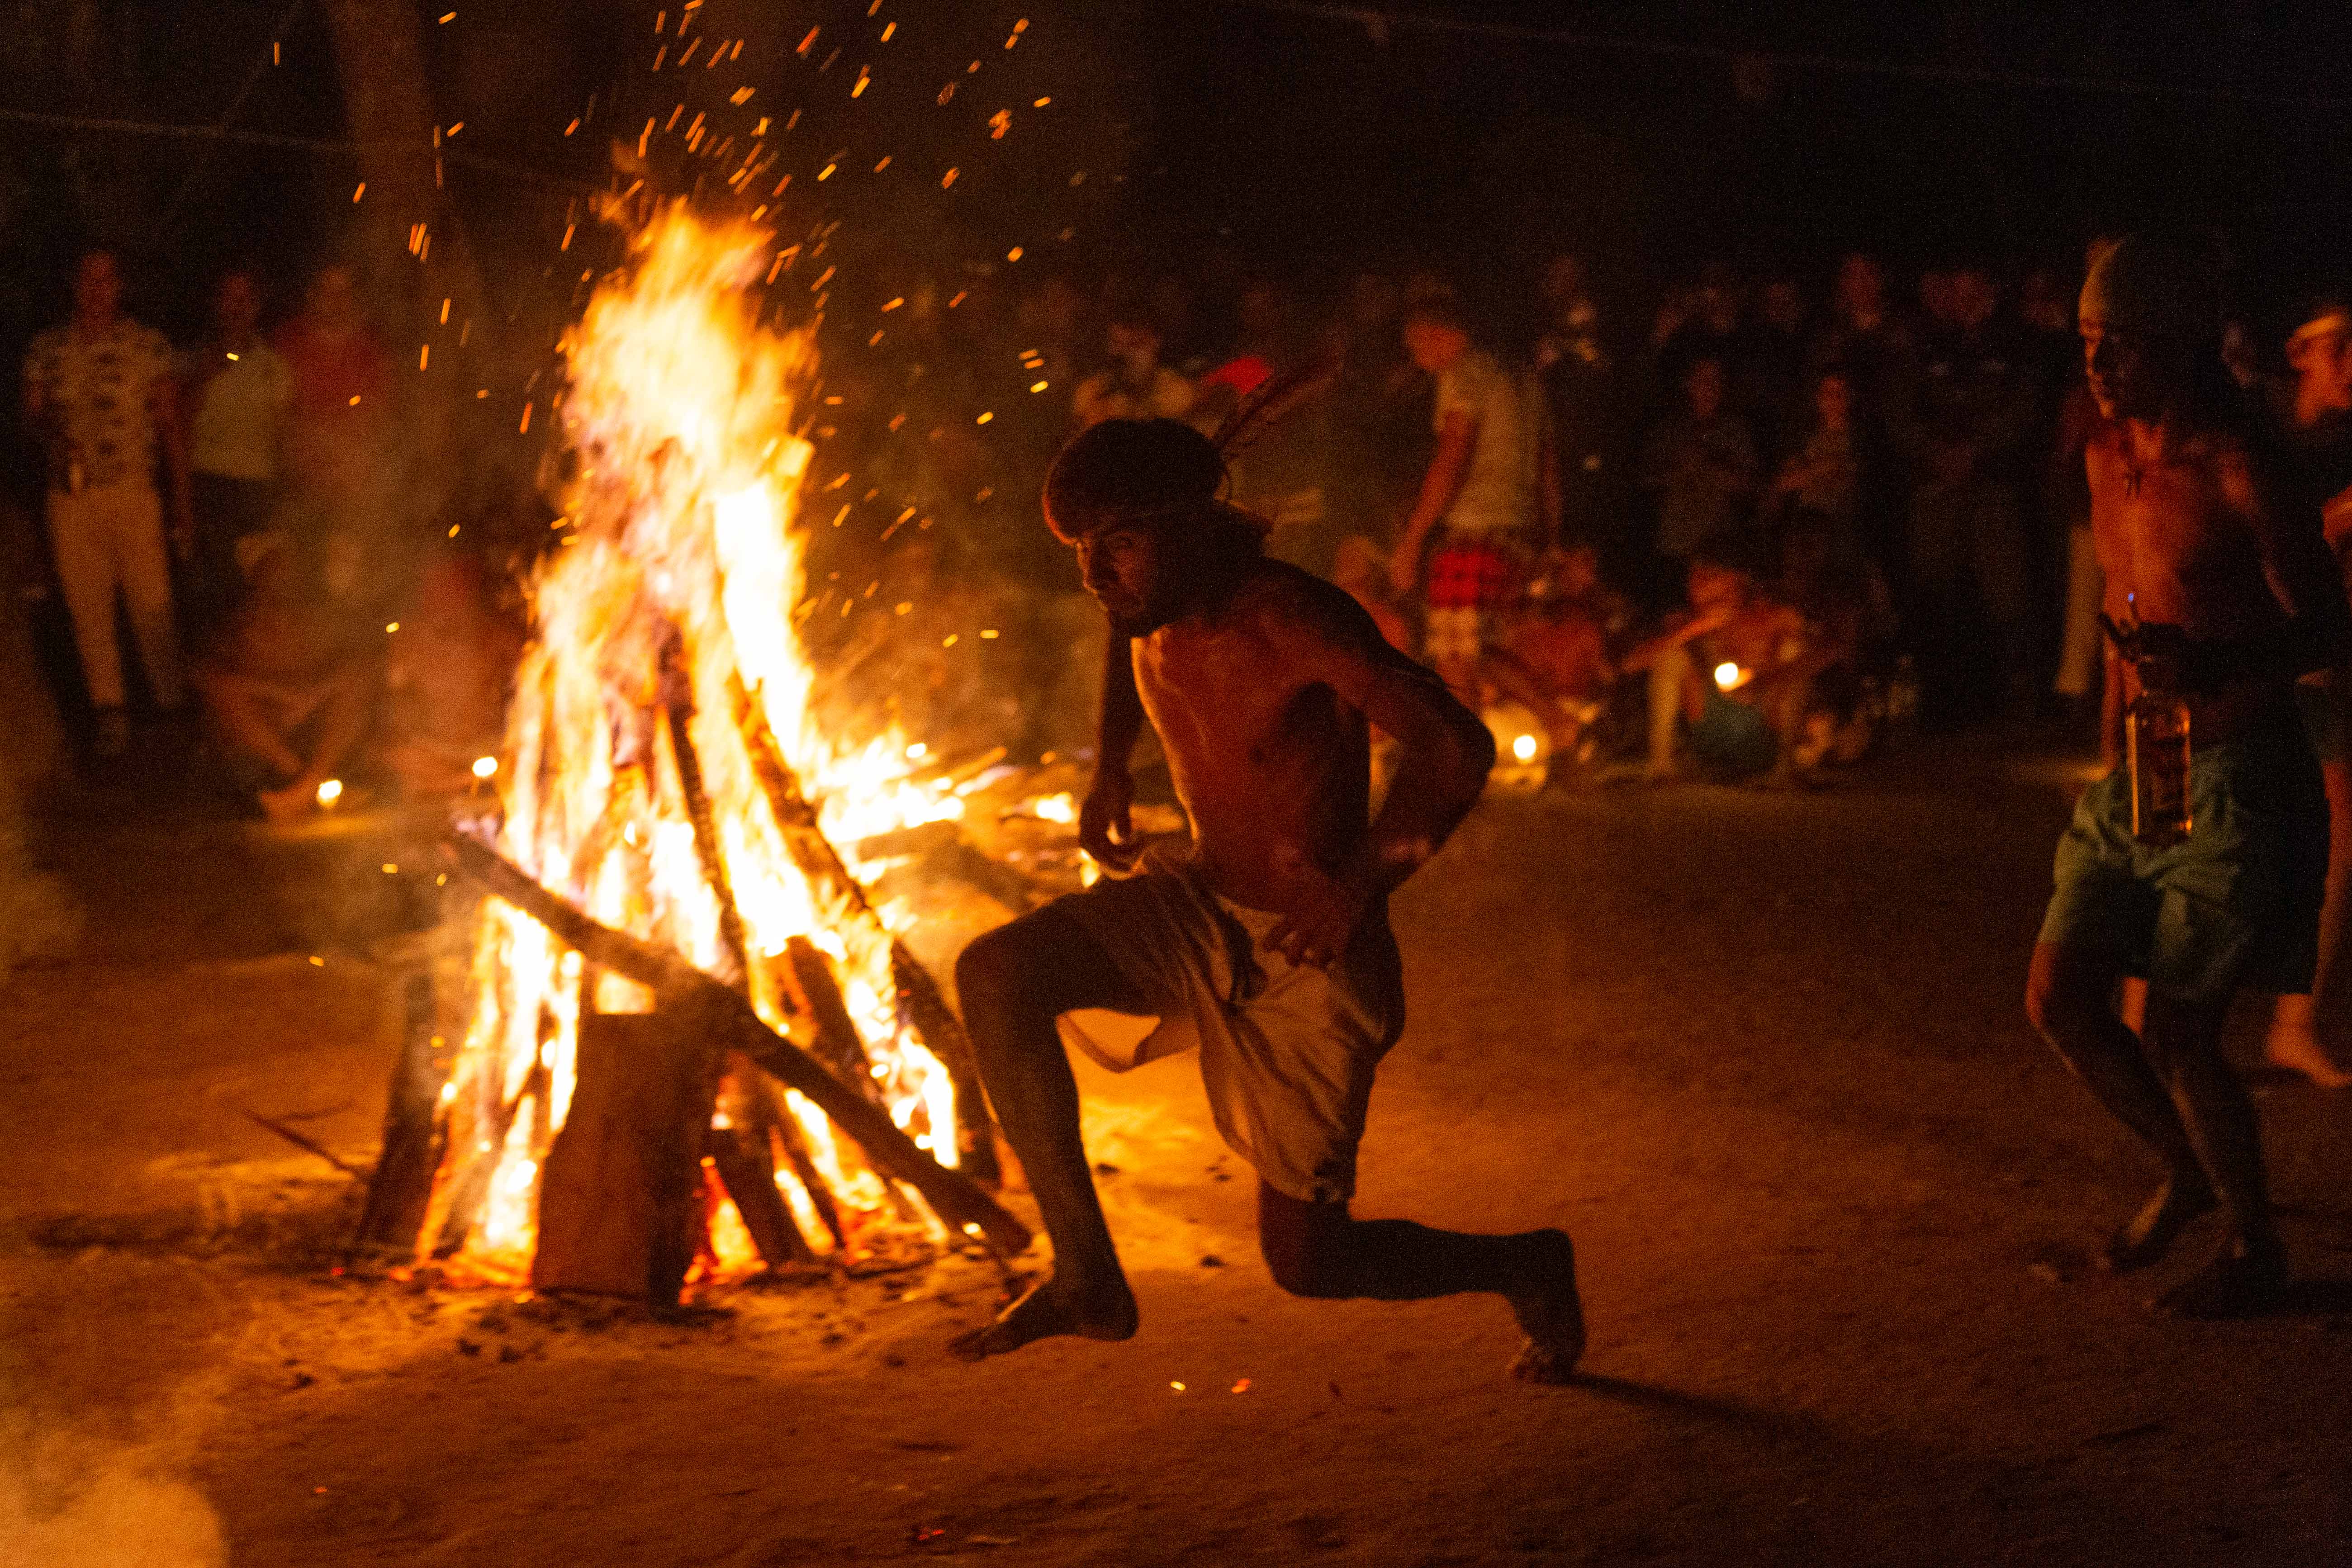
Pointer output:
1470, 572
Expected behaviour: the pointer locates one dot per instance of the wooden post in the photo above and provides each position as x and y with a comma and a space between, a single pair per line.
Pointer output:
926, 1009
953, 1196
617, 1214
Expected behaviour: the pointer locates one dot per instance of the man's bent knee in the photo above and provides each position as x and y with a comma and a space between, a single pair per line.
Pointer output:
1043, 962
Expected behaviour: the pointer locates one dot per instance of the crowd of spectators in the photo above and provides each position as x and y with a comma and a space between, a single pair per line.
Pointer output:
239, 500
1744, 535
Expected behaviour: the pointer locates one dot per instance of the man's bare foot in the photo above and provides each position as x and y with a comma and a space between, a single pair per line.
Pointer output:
1049, 1310
2243, 1282
2151, 1233
1551, 1316
2292, 1042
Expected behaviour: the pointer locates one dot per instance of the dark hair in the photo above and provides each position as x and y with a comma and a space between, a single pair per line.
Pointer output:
1437, 311
1129, 472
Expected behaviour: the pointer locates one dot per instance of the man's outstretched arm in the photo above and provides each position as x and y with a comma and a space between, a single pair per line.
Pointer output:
1104, 829
1444, 755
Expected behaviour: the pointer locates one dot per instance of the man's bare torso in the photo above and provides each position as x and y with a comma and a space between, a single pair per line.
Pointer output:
2176, 545
1270, 764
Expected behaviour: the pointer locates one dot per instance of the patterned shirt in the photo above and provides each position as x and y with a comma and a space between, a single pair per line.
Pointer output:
95, 386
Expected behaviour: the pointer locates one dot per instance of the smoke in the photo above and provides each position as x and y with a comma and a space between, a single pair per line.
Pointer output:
77, 1503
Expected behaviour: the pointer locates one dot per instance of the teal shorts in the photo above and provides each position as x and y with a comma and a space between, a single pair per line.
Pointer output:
2235, 904
1733, 739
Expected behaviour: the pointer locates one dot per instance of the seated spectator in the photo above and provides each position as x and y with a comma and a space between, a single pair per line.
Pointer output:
1733, 675
1135, 386
445, 682
1701, 462
1562, 638
1849, 622
288, 690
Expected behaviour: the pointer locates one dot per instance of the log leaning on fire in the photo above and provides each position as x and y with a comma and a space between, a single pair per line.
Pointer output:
934, 1021
955, 1197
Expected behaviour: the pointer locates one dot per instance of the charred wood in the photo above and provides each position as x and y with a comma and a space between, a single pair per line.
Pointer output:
957, 1199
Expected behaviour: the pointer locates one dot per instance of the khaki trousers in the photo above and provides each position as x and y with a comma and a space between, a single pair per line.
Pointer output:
111, 538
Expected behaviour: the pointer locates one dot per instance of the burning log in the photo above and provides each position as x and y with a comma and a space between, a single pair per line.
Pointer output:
919, 994
740, 1153
767, 1094
943, 850
402, 1186
954, 1196
838, 1044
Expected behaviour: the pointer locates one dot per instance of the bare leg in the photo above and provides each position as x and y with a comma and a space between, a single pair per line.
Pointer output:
1317, 1250
2183, 1041
1669, 677
341, 720
2293, 1041
1515, 681
245, 722
1014, 982
2067, 996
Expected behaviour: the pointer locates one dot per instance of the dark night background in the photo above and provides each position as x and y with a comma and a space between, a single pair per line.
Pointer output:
1666, 135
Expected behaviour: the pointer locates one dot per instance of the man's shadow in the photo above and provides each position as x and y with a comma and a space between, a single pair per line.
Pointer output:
1732, 1414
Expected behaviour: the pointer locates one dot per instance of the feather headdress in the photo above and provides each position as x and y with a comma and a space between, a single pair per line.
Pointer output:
1275, 399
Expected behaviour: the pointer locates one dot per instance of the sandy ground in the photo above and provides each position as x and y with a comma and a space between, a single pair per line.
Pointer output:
1761, 1054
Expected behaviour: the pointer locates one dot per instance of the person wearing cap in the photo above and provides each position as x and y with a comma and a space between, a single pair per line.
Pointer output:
2223, 591
1267, 944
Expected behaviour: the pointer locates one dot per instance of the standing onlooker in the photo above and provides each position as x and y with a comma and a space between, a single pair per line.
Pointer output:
1822, 477
1135, 385
1970, 559
340, 448
100, 389
2312, 414
1769, 375
1702, 463
1579, 387
1485, 484
242, 393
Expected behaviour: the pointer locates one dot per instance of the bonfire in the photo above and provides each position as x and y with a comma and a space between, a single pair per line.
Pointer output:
696, 1047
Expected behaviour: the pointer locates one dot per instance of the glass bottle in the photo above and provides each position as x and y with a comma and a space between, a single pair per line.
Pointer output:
2156, 749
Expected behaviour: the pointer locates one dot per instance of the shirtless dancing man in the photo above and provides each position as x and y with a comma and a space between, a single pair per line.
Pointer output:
1268, 947
2226, 598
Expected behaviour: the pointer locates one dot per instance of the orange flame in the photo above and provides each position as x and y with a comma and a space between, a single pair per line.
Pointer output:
684, 566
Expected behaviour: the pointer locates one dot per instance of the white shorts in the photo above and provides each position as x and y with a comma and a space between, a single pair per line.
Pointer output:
1286, 1050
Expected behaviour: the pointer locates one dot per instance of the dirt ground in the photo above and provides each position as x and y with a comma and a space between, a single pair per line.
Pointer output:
1761, 1054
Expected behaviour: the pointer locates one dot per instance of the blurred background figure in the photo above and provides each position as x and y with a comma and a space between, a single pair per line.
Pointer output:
290, 690
100, 393
241, 394
339, 448
445, 681
1135, 385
